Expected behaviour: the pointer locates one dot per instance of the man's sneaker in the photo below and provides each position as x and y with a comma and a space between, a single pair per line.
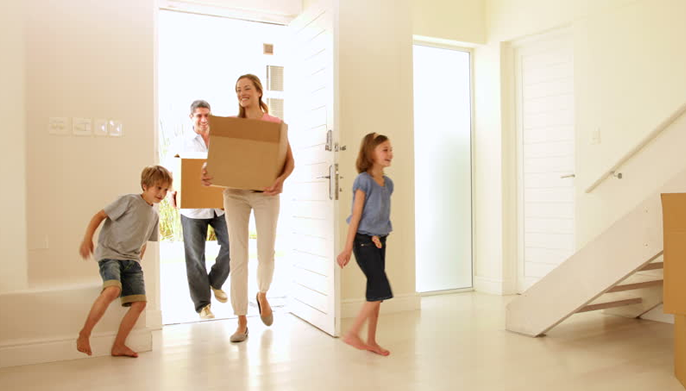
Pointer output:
220, 295
206, 313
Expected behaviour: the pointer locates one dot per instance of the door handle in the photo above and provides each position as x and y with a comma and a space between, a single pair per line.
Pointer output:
568, 176
333, 173
329, 180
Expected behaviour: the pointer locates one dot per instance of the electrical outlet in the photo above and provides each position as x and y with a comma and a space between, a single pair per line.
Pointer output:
58, 125
100, 127
595, 136
81, 126
115, 128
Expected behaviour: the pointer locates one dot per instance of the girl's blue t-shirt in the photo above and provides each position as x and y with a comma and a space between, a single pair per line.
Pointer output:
376, 214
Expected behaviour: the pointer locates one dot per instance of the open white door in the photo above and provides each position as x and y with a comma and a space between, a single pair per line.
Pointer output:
313, 188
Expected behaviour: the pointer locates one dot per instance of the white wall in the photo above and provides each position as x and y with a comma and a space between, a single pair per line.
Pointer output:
454, 20
91, 60
13, 264
628, 78
81, 59
375, 95
488, 169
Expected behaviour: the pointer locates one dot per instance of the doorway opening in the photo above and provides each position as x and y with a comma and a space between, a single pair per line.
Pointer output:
200, 57
443, 168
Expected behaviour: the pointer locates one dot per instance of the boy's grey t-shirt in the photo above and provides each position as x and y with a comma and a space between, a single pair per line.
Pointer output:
376, 214
130, 223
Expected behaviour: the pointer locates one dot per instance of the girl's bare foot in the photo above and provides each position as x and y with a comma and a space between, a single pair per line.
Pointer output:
355, 341
375, 348
83, 345
119, 351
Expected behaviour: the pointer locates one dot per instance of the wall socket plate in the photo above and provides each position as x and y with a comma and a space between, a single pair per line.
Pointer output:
100, 127
81, 126
115, 128
58, 125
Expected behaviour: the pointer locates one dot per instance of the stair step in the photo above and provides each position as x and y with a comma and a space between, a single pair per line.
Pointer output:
652, 266
635, 285
610, 304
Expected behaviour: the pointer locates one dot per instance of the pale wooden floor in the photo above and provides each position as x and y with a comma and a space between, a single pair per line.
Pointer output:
457, 342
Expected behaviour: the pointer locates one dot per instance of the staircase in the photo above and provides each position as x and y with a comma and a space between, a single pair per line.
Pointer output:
619, 272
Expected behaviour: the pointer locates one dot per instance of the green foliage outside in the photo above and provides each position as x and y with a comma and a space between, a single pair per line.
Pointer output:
170, 224
170, 220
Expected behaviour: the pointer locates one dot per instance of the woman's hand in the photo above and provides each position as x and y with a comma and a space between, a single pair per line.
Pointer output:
205, 177
86, 248
344, 257
377, 241
276, 188
172, 199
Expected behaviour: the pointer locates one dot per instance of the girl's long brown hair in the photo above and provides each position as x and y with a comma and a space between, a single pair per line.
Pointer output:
365, 159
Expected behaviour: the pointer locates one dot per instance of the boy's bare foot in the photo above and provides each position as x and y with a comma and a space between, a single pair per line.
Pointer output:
123, 351
83, 345
375, 348
355, 341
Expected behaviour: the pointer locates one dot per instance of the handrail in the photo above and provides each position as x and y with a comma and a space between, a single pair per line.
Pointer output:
650, 137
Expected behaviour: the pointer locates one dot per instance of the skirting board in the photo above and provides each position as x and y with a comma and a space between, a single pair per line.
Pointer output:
63, 349
408, 302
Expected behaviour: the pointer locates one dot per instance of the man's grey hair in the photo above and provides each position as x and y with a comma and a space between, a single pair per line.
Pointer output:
200, 104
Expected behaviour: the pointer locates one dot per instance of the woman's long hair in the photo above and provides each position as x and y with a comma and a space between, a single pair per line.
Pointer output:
258, 86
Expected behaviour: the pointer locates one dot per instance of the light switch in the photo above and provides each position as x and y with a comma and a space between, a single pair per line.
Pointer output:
58, 125
100, 127
595, 136
81, 126
114, 128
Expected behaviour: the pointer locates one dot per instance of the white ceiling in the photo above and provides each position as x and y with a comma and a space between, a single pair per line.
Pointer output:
273, 11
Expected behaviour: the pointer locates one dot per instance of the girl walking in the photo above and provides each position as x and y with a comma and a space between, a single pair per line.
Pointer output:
369, 226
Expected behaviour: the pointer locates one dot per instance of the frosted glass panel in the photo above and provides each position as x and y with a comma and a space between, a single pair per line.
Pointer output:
443, 193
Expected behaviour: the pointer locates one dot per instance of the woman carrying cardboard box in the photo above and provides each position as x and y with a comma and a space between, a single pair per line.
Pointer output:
238, 205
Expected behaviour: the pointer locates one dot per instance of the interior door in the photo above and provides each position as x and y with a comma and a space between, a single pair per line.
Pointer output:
544, 73
313, 189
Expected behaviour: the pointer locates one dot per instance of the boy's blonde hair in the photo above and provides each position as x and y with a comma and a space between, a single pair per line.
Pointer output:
365, 158
153, 175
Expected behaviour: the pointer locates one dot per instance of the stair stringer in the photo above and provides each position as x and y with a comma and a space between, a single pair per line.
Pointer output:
623, 249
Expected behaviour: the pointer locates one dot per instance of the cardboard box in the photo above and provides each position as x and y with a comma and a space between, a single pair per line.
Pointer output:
246, 153
674, 223
191, 194
680, 348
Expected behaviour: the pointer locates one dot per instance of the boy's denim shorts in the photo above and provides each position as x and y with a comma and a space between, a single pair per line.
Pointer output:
127, 276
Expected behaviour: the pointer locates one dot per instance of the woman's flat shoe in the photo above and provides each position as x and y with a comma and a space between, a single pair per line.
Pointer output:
267, 320
239, 337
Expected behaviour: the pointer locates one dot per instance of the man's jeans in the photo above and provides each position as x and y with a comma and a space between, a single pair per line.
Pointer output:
194, 237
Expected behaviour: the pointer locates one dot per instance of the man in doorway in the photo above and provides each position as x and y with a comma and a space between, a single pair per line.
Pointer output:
194, 223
